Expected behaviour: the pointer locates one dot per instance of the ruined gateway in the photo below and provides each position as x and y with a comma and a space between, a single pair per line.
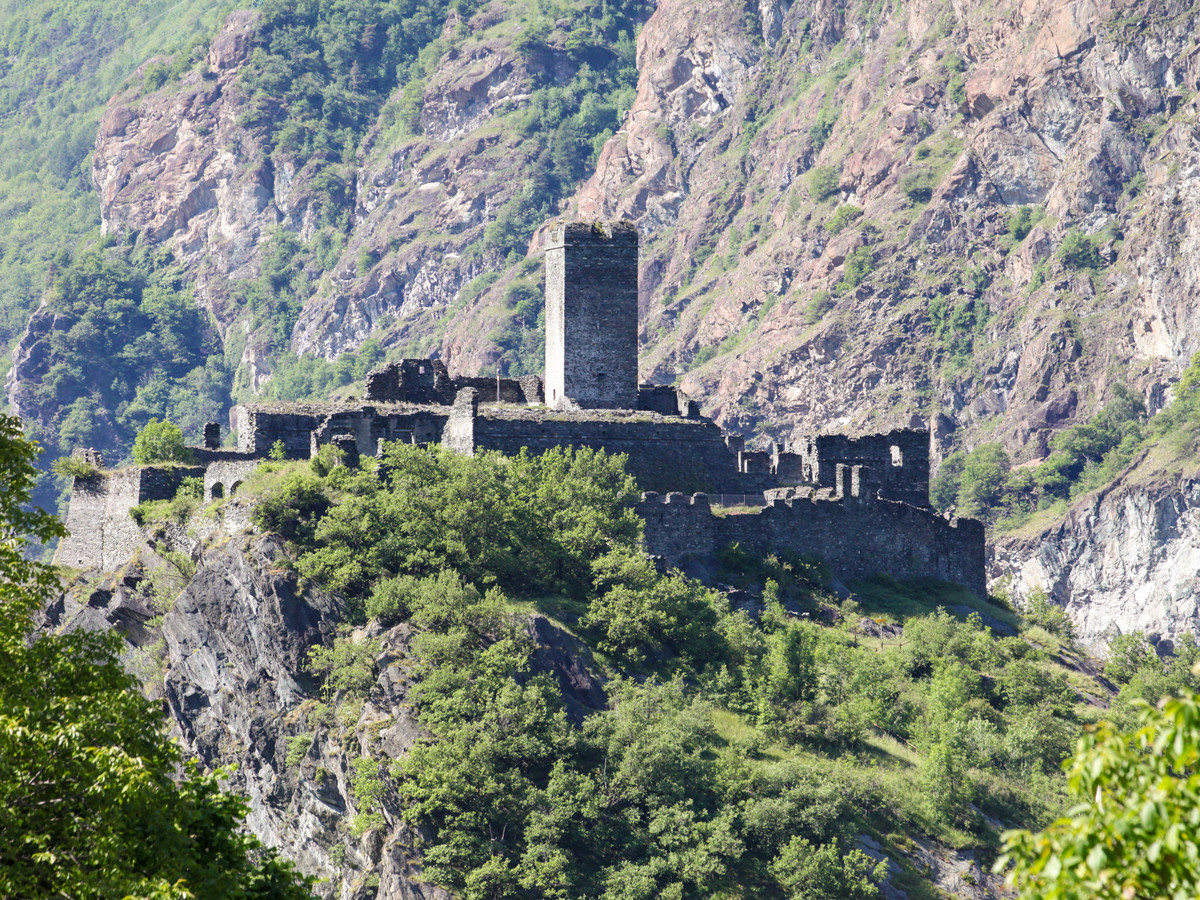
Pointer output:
859, 504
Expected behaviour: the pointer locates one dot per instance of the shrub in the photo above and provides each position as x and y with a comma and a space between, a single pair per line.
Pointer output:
1127, 655
160, 442
1021, 222
844, 215
73, 467
858, 266
826, 872
820, 303
822, 183
918, 185
984, 472
1079, 252
1040, 610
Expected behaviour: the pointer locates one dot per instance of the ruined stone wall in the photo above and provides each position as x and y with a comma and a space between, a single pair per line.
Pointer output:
222, 478
664, 399
427, 382
102, 534
897, 462
260, 427
856, 537
459, 433
592, 316
664, 453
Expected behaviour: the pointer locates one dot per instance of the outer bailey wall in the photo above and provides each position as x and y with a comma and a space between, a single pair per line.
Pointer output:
662, 455
856, 538
102, 534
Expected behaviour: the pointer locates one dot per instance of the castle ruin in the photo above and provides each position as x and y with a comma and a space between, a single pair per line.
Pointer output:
860, 504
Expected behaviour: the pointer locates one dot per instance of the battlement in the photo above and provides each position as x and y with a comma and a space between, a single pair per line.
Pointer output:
855, 539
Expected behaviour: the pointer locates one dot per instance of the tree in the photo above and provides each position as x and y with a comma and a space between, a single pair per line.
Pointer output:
826, 872
983, 474
160, 442
1133, 832
91, 806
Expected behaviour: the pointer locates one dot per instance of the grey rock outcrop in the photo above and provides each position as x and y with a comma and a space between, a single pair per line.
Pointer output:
1125, 559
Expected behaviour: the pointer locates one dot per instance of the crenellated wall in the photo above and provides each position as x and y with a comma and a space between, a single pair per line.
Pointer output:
857, 537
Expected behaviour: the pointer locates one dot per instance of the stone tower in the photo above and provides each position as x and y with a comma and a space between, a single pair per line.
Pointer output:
592, 315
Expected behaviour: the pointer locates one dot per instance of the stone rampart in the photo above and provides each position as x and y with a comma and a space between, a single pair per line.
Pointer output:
664, 452
897, 462
102, 533
855, 537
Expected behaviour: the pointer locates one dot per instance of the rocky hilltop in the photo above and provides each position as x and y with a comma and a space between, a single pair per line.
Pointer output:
855, 215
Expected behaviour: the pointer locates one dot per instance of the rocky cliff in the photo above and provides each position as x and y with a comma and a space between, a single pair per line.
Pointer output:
854, 215
1123, 559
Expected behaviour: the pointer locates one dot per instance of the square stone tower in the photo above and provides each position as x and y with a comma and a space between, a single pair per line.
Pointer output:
592, 315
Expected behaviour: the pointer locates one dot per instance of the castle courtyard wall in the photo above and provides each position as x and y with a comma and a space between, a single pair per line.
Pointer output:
855, 537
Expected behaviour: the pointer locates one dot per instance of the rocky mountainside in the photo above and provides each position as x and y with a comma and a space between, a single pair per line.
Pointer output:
855, 215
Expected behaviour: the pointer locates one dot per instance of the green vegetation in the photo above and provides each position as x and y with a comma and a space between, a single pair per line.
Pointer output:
329, 66
823, 182
1085, 456
1021, 222
818, 305
160, 442
842, 217
1132, 832
858, 266
127, 345
62, 63
730, 741
1079, 251
95, 805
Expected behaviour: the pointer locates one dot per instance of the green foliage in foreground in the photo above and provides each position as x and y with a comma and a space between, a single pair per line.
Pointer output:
92, 807
1134, 830
732, 746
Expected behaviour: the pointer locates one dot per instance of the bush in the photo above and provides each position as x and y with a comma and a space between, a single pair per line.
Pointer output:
844, 215
160, 442
807, 872
984, 472
1021, 222
1128, 654
1079, 252
73, 467
1040, 610
823, 182
918, 185
820, 303
858, 266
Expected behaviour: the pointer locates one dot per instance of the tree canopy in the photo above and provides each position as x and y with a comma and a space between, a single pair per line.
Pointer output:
1133, 833
92, 806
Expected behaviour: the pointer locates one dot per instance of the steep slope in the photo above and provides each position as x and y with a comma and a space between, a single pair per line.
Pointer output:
855, 215
910, 289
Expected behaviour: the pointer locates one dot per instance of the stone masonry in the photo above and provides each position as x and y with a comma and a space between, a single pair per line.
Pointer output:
861, 504
592, 316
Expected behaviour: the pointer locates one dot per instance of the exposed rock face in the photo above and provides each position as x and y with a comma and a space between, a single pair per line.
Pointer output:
173, 168
237, 641
1126, 559
1053, 98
